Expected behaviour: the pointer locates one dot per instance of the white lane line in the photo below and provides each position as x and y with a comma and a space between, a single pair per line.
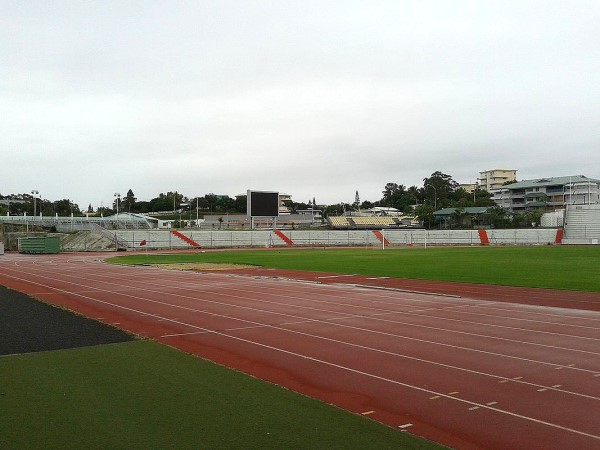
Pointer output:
249, 327
183, 334
337, 276
565, 366
313, 300
534, 313
473, 303
373, 319
333, 340
333, 365
356, 316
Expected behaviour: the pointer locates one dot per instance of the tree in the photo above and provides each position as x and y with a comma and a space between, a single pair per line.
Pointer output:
104, 211
166, 202
211, 200
389, 191
438, 189
333, 210
160, 203
396, 196
459, 217
534, 217
425, 214
225, 203
142, 207
497, 217
128, 202
241, 204
483, 198
65, 207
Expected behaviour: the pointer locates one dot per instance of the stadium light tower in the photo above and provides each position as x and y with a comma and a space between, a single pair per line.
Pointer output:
118, 197
34, 193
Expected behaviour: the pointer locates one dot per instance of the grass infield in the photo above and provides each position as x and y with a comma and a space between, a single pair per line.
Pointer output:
553, 267
142, 394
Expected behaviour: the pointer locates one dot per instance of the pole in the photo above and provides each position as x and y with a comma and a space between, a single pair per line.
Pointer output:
118, 197
34, 193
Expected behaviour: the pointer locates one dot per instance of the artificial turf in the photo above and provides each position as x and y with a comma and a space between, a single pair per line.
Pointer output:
553, 267
142, 394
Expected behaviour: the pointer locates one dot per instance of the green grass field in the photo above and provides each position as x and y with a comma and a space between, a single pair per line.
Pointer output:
554, 267
141, 394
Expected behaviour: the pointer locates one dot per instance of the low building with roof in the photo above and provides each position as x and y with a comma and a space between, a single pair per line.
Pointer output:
462, 216
549, 193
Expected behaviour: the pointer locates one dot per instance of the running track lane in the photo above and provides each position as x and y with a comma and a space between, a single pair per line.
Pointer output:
468, 373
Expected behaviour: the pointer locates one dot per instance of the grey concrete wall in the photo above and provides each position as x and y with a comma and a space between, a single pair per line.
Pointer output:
164, 239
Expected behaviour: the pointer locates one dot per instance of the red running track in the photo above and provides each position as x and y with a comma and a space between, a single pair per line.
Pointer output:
465, 372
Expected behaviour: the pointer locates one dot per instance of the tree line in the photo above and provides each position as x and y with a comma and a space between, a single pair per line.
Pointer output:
438, 191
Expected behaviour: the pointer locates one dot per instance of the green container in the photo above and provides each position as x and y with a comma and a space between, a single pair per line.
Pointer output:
48, 244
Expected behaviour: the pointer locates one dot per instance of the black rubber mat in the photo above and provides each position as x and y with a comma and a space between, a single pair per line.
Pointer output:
28, 325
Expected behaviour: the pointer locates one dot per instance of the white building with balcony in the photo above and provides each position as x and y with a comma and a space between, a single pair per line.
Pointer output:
549, 193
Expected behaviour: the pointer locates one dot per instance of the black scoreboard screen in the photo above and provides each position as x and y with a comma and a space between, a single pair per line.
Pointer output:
263, 204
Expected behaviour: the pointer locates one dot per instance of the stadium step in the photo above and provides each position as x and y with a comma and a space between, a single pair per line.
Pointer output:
284, 238
184, 238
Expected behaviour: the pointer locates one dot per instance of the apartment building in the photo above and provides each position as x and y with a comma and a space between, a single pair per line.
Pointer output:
469, 187
549, 193
493, 180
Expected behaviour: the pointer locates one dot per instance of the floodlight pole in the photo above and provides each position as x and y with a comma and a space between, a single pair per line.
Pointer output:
34, 193
118, 197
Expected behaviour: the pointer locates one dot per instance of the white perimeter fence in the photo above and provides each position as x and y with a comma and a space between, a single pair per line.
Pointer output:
165, 239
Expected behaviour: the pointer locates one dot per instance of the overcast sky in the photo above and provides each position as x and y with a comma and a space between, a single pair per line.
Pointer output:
311, 98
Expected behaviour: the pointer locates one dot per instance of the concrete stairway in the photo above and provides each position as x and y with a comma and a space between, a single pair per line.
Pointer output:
582, 224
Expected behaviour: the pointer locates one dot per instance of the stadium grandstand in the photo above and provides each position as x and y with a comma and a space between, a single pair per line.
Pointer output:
75, 223
375, 218
303, 219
